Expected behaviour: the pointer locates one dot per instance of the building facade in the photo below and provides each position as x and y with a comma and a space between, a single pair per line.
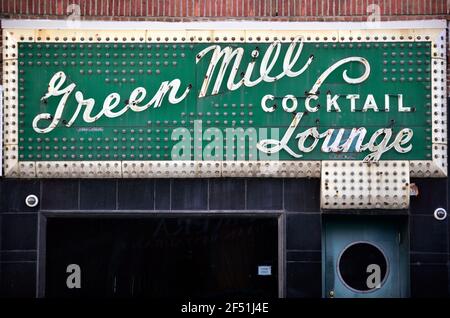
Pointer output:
222, 148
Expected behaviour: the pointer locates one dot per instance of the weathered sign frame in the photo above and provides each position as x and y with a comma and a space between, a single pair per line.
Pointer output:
16, 31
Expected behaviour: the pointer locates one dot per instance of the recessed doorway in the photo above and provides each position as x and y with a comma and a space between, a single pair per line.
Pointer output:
177, 256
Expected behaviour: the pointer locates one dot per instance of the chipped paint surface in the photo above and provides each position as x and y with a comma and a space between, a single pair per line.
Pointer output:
360, 185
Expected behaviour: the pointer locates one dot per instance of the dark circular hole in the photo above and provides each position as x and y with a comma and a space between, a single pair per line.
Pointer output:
354, 263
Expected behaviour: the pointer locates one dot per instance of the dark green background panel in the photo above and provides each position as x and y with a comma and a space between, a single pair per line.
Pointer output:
99, 69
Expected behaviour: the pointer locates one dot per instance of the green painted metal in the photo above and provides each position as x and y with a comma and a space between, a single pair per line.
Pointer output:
99, 69
389, 235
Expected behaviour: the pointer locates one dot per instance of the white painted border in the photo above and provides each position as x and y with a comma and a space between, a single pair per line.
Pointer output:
220, 25
434, 30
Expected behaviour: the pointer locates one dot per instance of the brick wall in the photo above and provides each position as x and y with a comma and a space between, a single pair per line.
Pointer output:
299, 10
189, 10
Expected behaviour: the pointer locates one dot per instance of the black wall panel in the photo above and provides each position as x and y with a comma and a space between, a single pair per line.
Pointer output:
297, 199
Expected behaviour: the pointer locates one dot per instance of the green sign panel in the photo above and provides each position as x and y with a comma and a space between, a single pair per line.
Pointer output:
291, 100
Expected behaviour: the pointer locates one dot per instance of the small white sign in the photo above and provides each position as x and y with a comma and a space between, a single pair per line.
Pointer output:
264, 270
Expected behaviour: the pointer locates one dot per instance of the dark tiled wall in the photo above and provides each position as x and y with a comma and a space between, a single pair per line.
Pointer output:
18, 239
299, 195
297, 198
429, 240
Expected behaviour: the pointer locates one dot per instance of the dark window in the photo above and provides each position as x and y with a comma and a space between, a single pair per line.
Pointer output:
163, 257
354, 265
